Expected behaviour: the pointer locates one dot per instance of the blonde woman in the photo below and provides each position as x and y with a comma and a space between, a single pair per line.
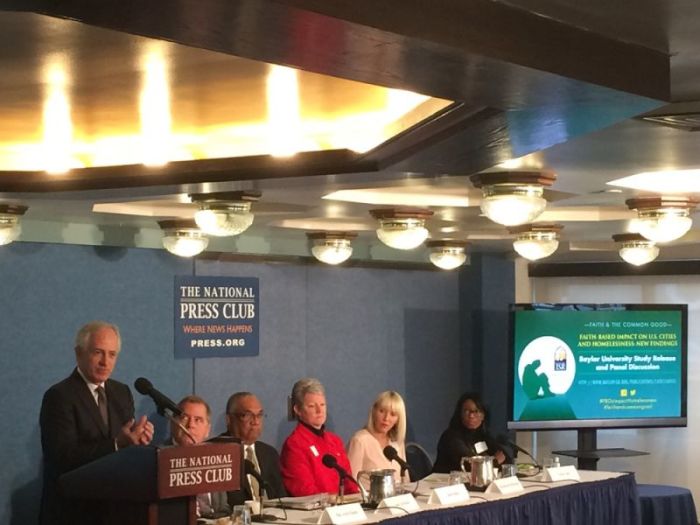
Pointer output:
386, 425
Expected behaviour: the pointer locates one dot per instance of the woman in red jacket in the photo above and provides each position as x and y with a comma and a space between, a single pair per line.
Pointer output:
303, 471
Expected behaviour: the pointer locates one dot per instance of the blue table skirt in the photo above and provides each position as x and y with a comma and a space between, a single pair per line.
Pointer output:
607, 502
664, 504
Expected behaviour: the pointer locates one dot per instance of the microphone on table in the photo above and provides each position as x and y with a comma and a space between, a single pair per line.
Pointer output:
392, 454
331, 462
250, 470
504, 440
166, 406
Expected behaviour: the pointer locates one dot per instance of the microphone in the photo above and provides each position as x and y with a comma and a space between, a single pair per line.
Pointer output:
331, 462
392, 454
503, 439
252, 471
163, 402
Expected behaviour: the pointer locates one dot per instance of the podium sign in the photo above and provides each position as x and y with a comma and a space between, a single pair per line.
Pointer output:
211, 467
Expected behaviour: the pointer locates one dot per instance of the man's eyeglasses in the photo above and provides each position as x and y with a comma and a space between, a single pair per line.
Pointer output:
249, 417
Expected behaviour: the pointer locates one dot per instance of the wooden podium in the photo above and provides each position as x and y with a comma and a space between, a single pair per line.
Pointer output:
156, 486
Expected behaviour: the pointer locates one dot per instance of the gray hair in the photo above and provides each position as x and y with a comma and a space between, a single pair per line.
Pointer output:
232, 403
307, 385
82, 338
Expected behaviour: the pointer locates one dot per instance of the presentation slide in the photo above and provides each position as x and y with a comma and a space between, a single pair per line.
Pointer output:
573, 365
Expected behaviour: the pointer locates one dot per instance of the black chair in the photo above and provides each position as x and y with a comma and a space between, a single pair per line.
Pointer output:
419, 460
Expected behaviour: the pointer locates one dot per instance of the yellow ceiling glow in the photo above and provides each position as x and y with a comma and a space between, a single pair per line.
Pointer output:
154, 109
57, 143
302, 111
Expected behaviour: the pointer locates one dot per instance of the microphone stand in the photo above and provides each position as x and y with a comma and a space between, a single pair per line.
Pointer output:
170, 416
341, 489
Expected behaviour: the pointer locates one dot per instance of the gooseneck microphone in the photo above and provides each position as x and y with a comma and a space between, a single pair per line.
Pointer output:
331, 462
250, 469
166, 407
163, 402
503, 439
392, 454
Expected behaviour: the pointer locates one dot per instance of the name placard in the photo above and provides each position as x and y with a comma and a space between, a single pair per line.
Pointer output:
509, 485
449, 495
567, 473
401, 504
342, 514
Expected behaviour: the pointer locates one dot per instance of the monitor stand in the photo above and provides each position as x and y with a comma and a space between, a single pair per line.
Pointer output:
588, 452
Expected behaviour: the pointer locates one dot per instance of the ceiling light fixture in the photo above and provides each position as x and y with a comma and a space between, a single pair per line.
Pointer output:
402, 228
513, 197
635, 249
663, 219
447, 254
536, 241
9, 222
331, 247
181, 237
224, 213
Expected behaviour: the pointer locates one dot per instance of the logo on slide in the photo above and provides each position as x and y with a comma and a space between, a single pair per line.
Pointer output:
546, 367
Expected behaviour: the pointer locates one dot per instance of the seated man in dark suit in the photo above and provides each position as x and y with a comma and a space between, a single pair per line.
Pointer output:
84, 417
244, 420
193, 428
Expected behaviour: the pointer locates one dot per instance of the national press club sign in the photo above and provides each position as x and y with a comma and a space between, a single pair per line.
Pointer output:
217, 316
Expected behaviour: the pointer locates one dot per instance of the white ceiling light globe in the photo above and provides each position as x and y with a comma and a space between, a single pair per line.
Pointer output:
402, 234
333, 251
638, 253
512, 205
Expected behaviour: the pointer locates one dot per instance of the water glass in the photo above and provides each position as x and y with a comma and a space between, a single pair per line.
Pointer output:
456, 477
241, 515
508, 470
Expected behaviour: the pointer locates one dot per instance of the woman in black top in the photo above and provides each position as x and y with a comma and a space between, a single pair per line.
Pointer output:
466, 435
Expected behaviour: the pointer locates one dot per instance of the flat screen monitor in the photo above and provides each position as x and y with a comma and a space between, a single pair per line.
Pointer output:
577, 366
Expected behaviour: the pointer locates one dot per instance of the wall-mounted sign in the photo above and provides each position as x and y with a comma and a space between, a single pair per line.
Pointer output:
216, 316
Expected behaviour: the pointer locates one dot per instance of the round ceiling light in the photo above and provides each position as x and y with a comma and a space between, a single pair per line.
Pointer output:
183, 238
224, 214
402, 228
331, 247
10, 227
635, 249
447, 254
513, 197
662, 219
536, 241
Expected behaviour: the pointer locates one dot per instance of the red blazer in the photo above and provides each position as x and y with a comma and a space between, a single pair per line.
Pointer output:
303, 472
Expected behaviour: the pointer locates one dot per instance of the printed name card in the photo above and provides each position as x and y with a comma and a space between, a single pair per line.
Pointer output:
509, 485
401, 504
566, 473
342, 514
450, 495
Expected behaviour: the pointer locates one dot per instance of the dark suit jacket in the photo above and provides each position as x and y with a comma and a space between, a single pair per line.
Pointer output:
269, 461
73, 434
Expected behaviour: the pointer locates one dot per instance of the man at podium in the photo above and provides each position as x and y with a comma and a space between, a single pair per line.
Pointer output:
85, 417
